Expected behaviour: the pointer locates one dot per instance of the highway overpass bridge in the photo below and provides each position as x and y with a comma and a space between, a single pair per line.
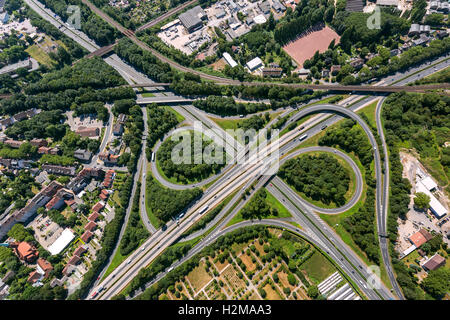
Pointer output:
163, 100
356, 88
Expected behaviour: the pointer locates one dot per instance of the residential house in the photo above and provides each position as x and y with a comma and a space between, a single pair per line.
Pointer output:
25, 251
118, 129
88, 132
335, 69
87, 235
83, 155
44, 267
434, 262
39, 143
13, 143
90, 226
61, 170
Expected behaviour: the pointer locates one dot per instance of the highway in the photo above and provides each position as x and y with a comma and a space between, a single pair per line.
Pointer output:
147, 257
384, 244
355, 197
243, 173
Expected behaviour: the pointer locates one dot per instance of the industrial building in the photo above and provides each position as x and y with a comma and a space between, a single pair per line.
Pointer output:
435, 206
254, 64
229, 60
193, 18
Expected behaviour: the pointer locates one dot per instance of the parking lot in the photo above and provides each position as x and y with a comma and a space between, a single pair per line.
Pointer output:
46, 231
222, 15
88, 121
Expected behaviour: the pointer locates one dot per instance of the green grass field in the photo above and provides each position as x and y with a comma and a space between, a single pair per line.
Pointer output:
318, 267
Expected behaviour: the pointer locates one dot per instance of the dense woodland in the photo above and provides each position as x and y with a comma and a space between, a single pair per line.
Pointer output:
135, 232
166, 203
160, 121
321, 178
257, 207
198, 167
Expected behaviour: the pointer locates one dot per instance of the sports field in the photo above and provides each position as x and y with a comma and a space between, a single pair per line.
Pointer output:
305, 46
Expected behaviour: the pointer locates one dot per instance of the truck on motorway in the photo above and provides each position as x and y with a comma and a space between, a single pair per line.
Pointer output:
170, 269
153, 156
303, 137
94, 294
202, 210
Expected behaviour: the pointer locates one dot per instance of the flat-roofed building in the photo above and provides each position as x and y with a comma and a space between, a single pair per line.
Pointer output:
229, 60
61, 242
387, 3
12, 68
429, 183
435, 206
254, 64
193, 18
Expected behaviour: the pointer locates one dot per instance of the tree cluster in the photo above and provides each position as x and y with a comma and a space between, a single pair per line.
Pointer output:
166, 203
319, 177
135, 231
198, 169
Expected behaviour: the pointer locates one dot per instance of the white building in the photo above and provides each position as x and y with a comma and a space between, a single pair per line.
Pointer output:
435, 206
254, 64
429, 183
229, 60
63, 241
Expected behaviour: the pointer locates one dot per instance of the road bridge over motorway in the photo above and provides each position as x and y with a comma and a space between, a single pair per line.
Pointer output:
357, 88
163, 100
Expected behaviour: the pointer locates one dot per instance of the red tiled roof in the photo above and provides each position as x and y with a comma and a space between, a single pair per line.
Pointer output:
90, 226
52, 202
418, 239
98, 206
94, 216
74, 260
79, 251
26, 251
34, 276
44, 264
86, 236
